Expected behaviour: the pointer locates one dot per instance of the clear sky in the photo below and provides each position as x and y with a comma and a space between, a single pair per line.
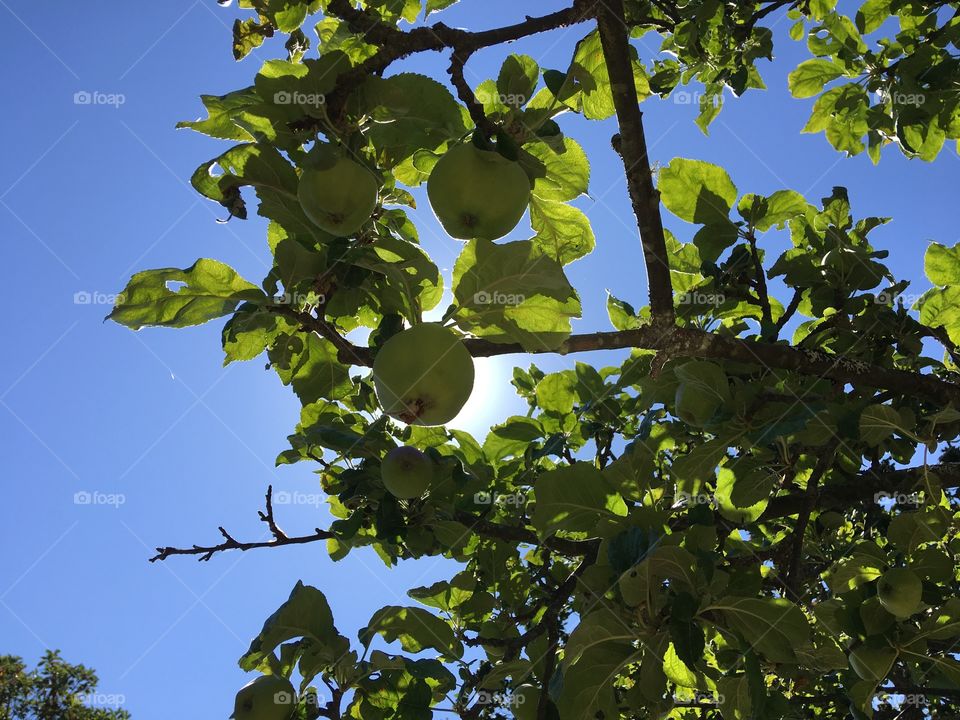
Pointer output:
90, 193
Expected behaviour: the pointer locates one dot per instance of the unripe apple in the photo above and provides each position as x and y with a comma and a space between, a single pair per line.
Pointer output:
406, 472
694, 406
478, 193
424, 375
524, 702
268, 697
338, 194
900, 591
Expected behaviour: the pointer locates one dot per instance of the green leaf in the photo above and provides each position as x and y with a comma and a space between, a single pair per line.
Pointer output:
677, 671
309, 363
735, 703
518, 79
878, 423
305, 614
560, 170
622, 314
557, 392
263, 167
513, 292
766, 212
223, 115
941, 308
771, 626
574, 499
415, 628
698, 466
445, 595
710, 107
438, 5
251, 331
743, 491
248, 35
206, 290
563, 231
872, 14
696, 191
810, 76
589, 73
598, 649
942, 264
410, 112
512, 437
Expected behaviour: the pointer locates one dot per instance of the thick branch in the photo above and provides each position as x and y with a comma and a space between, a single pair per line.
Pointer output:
691, 342
632, 147
864, 488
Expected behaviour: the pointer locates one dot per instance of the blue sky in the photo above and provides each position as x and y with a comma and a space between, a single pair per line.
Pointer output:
89, 193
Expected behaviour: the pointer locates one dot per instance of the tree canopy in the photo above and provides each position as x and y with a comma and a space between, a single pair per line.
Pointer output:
54, 690
749, 513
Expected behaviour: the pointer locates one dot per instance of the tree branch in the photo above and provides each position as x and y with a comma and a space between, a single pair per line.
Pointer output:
631, 145
791, 581
512, 533
864, 487
396, 44
691, 342
280, 538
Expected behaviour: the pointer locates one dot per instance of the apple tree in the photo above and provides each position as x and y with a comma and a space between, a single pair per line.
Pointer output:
750, 512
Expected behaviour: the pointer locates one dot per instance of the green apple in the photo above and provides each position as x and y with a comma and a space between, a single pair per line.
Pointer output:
524, 702
900, 591
406, 472
872, 663
338, 194
694, 406
269, 697
423, 375
478, 193
634, 586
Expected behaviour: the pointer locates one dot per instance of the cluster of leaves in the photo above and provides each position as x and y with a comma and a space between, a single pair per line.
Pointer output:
902, 87
664, 537
54, 690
